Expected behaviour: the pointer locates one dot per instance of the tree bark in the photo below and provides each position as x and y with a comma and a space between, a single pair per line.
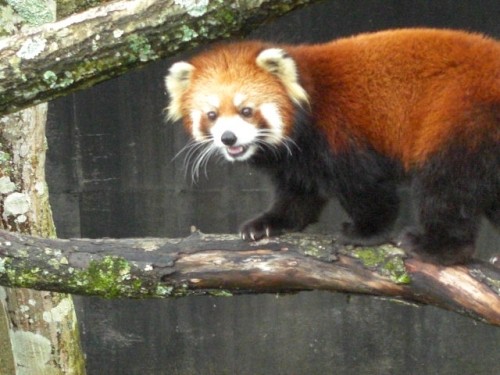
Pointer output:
41, 342
40, 327
224, 265
54, 59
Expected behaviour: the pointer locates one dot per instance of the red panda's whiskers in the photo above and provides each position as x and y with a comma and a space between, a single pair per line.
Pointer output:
189, 149
197, 153
274, 141
201, 160
289, 143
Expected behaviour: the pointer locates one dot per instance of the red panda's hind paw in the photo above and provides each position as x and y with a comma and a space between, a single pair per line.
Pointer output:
418, 246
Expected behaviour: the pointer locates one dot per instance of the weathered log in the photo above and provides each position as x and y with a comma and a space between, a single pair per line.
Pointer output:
45, 62
225, 265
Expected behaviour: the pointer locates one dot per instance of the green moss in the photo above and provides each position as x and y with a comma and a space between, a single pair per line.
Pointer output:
387, 259
67, 79
187, 33
226, 15
90, 67
140, 49
53, 81
25, 278
107, 277
370, 256
50, 78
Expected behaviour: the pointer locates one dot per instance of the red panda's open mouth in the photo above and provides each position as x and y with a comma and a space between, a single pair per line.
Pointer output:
236, 151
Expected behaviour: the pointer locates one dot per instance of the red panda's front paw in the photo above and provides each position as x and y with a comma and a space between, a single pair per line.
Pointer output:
258, 228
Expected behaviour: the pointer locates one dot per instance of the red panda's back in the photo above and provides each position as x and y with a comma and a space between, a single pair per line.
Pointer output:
405, 92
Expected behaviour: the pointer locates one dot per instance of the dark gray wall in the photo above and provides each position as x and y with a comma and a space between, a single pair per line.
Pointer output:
111, 173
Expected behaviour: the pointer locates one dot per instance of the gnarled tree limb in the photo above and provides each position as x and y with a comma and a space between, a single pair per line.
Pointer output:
225, 265
103, 42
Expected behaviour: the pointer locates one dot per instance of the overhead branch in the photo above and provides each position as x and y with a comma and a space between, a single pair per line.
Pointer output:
103, 42
225, 265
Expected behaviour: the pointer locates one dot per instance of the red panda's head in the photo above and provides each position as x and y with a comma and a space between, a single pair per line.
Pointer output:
236, 98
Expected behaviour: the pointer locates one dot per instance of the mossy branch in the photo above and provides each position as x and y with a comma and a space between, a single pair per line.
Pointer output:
103, 42
225, 265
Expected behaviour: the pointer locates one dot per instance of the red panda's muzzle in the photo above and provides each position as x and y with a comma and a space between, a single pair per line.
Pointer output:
229, 139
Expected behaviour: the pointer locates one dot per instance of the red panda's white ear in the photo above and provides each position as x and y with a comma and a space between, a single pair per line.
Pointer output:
276, 61
177, 81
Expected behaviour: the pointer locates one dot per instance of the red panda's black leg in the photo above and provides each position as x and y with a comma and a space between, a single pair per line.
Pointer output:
454, 189
290, 212
373, 209
449, 211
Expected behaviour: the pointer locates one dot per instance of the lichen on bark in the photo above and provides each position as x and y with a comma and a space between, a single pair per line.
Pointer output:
35, 12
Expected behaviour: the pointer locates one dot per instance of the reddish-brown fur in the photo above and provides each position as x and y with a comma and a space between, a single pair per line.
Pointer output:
406, 92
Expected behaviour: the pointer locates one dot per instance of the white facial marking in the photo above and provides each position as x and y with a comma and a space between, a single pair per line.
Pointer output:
272, 115
239, 99
246, 135
196, 127
213, 101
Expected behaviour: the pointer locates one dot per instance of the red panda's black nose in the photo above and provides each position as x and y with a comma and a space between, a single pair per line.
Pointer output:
228, 138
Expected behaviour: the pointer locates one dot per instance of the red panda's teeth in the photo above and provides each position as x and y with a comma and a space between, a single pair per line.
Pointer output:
235, 150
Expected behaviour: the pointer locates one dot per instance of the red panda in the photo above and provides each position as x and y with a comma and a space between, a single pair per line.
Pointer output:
352, 119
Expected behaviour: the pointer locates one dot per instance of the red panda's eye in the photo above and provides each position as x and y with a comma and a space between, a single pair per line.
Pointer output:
212, 116
246, 112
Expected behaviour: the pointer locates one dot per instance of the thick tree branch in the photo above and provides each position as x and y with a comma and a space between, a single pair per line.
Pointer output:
103, 42
225, 265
